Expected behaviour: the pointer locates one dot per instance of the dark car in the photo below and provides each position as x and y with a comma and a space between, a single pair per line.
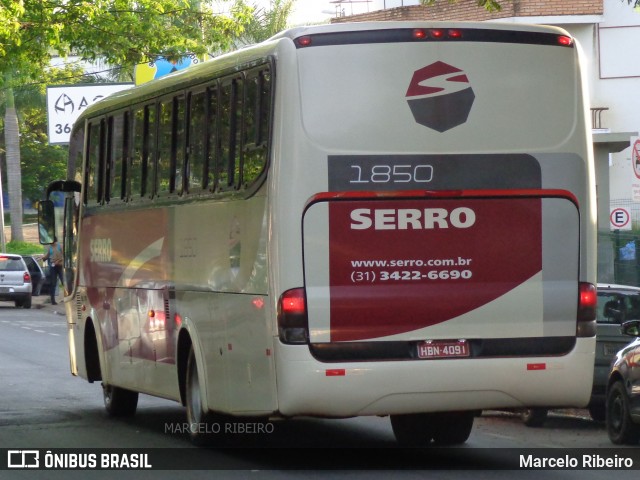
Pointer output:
616, 304
623, 390
46, 285
37, 274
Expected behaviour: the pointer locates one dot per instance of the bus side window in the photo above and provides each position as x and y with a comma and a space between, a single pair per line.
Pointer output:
264, 127
179, 140
76, 151
149, 166
116, 156
256, 125
227, 169
165, 137
135, 172
197, 141
213, 147
92, 172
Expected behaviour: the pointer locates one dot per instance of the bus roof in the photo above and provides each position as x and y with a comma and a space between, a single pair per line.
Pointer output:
363, 26
201, 73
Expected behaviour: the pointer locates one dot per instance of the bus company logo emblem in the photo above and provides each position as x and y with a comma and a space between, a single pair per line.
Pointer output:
23, 459
440, 96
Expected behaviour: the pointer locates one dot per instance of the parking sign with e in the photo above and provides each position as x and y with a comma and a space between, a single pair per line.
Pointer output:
620, 219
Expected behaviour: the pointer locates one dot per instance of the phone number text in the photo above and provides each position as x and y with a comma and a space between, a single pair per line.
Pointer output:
370, 276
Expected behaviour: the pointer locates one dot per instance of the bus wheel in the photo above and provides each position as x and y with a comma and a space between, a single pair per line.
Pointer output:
620, 426
534, 417
197, 418
119, 402
413, 430
453, 428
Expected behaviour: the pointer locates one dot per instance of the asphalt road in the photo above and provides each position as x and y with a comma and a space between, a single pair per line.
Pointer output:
43, 407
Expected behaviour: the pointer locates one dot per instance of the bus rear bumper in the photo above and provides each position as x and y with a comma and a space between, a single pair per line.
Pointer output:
309, 387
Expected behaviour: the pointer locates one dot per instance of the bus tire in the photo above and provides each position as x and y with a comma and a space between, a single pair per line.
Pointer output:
413, 430
620, 426
198, 419
453, 428
119, 402
534, 417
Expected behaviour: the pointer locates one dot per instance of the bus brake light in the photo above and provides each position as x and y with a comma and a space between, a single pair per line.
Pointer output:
304, 41
292, 317
587, 301
419, 33
565, 40
436, 34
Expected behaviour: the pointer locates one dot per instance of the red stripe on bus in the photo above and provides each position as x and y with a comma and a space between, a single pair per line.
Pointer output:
536, 366
524, 192
335, 372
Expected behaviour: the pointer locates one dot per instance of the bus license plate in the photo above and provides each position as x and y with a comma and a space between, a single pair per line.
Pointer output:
443, 349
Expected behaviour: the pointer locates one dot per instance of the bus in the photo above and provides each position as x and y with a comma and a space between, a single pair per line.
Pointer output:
386, 219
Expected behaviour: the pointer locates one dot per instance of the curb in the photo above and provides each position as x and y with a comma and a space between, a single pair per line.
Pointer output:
42, 302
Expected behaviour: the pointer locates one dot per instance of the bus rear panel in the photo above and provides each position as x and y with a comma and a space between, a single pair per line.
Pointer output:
446, 219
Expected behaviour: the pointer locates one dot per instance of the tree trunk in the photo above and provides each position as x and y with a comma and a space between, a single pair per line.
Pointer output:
14, 175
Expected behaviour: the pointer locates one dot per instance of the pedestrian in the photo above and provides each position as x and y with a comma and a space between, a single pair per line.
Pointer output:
54, 258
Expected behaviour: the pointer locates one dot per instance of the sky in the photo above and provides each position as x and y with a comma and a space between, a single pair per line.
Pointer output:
316, 11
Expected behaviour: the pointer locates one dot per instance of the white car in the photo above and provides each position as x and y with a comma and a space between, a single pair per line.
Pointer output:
15, 280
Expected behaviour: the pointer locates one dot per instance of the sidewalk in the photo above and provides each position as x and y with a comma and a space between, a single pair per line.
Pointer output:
43, 302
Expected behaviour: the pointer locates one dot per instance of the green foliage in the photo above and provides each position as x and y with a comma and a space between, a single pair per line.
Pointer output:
495, 5
24, 248
40, 162
121, 32
489, 5
265, 23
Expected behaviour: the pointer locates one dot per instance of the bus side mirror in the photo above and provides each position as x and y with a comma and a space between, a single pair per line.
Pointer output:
46, 222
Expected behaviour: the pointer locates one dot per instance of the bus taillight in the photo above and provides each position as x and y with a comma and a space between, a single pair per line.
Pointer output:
436, 34
565, 41
587, 301
303, 41
292, 317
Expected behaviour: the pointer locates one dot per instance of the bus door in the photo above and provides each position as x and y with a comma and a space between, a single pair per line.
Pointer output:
70, 245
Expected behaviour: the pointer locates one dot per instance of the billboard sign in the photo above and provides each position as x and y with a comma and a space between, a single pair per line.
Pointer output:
66, 102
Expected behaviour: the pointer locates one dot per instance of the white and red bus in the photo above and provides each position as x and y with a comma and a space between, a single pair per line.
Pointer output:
356, 219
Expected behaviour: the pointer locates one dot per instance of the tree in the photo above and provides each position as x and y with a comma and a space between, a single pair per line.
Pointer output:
490, 5
495, 5
41, 162
265, 23
121, 32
